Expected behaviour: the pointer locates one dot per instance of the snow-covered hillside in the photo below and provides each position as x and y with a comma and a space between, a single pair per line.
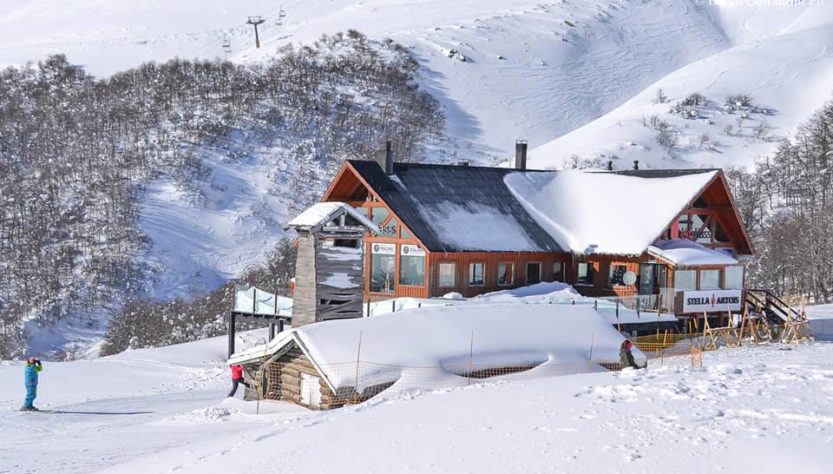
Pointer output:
753, 409
504, 70
780, 57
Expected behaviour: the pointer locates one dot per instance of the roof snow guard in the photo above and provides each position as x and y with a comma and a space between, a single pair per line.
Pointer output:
323, 213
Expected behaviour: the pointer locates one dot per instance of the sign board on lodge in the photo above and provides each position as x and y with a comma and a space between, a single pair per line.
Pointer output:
711, 301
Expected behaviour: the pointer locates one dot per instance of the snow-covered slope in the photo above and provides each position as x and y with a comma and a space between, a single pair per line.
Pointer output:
751, 409
504, 70
782, 58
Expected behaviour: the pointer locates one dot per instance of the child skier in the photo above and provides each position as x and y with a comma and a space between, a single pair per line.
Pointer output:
30, 377
626, 356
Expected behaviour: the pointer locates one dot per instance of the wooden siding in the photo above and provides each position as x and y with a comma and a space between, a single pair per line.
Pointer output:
284, 382
491, 260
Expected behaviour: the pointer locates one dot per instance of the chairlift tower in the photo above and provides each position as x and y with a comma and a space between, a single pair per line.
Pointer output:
254, 21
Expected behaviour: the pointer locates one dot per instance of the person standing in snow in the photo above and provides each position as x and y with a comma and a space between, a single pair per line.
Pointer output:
236, 379
30, 377
626, 356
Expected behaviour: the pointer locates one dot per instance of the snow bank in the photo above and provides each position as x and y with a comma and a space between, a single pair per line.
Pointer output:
684, 252
577, 207
497, 335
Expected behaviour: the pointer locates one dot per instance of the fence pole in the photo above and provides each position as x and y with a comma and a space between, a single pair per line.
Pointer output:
590, 359
471, 355
358, 358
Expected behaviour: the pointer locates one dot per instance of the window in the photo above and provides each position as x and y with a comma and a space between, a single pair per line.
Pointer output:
558, 271
505, 274
389, 229
448, 273
379, 215
734, 278
685, 279
709, 279
411, 265
585, 273
617, 275
533, 273
476, 274
406, 234
382, 267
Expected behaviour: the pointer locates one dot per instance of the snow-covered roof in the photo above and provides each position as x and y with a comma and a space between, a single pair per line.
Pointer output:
684, 252
504, 334
324, 212
606, 212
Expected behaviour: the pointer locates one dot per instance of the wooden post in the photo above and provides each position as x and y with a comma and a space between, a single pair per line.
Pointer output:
358, 359
471, 356
231, 335
590, 359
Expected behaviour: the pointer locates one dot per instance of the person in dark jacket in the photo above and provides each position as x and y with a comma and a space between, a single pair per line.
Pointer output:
30, 379
236, 379
626, 356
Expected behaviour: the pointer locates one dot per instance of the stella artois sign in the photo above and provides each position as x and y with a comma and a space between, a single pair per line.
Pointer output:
711, 301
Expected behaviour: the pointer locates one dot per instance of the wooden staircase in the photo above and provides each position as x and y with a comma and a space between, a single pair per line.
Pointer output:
765, 303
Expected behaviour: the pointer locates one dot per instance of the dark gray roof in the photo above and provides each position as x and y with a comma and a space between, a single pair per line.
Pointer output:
416, 192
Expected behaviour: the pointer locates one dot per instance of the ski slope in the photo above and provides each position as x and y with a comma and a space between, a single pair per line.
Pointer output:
782, 57
528, 69
163, 410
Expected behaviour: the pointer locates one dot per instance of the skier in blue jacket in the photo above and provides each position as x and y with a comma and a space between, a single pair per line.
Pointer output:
33, 367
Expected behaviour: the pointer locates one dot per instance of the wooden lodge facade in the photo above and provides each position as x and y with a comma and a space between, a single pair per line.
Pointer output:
459, 228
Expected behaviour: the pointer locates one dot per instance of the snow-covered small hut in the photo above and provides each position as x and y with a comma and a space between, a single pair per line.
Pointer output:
329, 278
330, 364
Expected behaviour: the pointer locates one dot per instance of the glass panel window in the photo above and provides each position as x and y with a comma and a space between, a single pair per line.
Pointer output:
379, 215
558, 271
685, 279
617, 274
734, 278
389, 229
382, 267
709, 279
700, 233
448, 272
585, 273
406, 234
477, 273
533, 273
505, 274
411, 265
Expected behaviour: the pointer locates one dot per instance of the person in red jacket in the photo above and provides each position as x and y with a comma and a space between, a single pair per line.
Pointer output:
236, 379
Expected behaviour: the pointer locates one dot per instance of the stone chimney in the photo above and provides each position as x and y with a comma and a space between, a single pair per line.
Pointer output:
385, 158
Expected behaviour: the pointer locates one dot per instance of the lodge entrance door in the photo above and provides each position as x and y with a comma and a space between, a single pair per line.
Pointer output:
652, 277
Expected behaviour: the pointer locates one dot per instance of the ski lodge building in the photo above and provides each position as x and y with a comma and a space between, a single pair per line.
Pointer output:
674, 234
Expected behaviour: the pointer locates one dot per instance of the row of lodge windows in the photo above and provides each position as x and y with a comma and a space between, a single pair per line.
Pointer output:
505, 273
709, 279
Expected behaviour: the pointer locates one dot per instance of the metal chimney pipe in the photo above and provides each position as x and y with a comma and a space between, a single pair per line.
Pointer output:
520, 154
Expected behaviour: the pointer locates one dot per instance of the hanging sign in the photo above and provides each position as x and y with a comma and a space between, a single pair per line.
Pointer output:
411, 251
383, 249
711, 301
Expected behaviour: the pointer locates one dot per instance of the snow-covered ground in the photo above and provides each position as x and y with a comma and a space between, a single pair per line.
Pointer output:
754, 409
